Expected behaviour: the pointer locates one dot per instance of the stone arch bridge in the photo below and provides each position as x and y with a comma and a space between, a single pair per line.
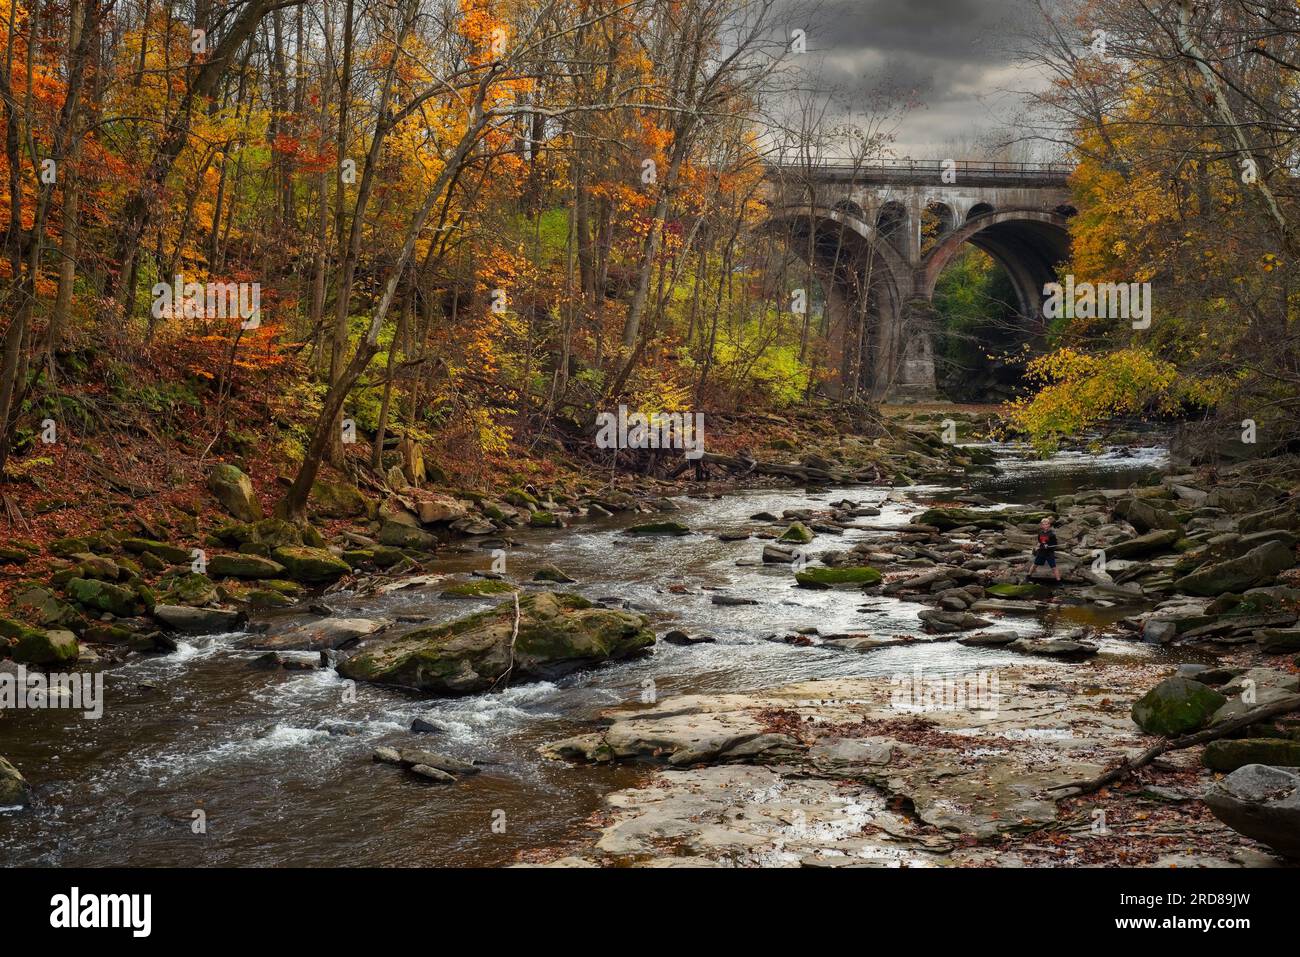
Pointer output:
877, 237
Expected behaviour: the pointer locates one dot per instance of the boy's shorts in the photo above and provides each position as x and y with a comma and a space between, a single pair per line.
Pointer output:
1048, 560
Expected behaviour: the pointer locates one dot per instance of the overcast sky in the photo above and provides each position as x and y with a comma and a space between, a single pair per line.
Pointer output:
953, 58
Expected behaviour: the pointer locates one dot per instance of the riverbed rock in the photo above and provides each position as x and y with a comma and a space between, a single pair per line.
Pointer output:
14, 789
311, 565
557, 632
1176, 706
234, 490
1020, 590
861, 575
331, 633
1278, 641
433, 508
478, 588
946, 622
1144, 516
797, 534
552, 573
1229, 754
1259, 566
1262, 803
658, 528
1063, 648
1141, 545
199, 621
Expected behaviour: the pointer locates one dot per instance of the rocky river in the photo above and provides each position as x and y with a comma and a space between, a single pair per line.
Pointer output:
203, 758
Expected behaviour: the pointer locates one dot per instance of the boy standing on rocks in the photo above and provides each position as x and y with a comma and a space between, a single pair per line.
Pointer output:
1045, 553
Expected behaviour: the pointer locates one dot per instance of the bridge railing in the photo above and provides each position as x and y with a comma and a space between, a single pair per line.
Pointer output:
847, 167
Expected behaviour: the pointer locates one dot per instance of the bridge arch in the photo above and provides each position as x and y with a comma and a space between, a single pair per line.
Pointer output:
1028, 244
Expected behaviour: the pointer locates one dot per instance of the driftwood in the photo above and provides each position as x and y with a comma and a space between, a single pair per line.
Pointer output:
1272, 710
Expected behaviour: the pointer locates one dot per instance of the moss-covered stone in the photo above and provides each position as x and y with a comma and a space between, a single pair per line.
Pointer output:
310, 564
478, 588
798, 533
337, 500
543, 520
40, 605
829, 577
244, 566
659, 528
103, 596
234, 490
147, 546
557, 632
1176, 706
191, 589
1228, 754
36, 646
67, 547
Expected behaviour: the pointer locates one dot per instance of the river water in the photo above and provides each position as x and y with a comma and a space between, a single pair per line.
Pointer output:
279, 763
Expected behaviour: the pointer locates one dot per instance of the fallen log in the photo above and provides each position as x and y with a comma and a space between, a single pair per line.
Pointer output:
1271, 710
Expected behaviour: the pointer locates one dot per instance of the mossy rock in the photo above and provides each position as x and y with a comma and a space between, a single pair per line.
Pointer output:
945, 519
234, 490
400, 535
103, 596
543, 520
1019, 590
38, 647
312, 565
1229, 754
387, 557
557, 632
863, 575
40, 605
244, 566
798, 533
282, 586
357, 557
67, 547
147, 546
191, 589
1176, 706
659, 528
266, 598
337, 500
276, 532
478, 588
522, 499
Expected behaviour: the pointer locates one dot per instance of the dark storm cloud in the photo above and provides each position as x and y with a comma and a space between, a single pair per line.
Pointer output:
952, 58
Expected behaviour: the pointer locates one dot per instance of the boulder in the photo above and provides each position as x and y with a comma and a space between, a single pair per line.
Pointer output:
862, 575
401, 535
1144, 516
198, 621
328, 633
1019, 590
1159, 631
798, 534
310, 564
14, 790
168, 553
244, 566
1262, 803
337, 500
432, 508
39, 604
35, 646
234, 490
557, 632
945, 519
1278, 641
659, 528
1176, 706
103, 596
946, 622
1157, 541
1259, 566
551, 573
1062, 648
1229, 754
